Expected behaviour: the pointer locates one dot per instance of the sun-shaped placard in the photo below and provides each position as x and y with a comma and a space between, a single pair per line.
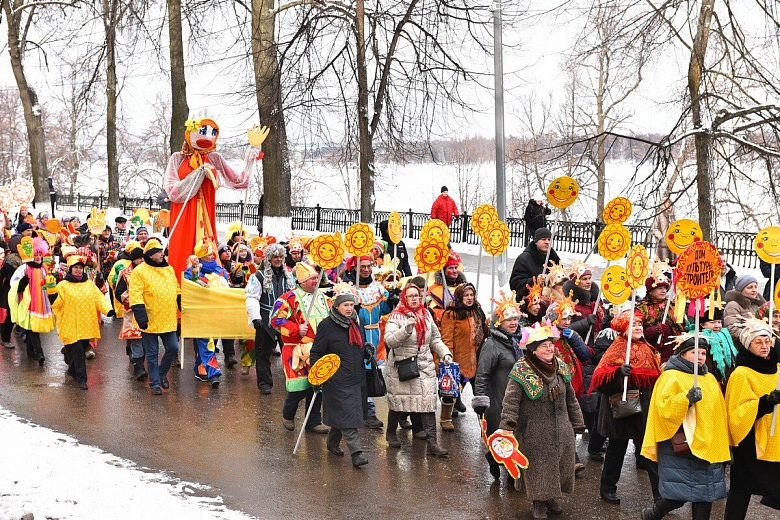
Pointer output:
327, 251
562, 192
431, 255
358, 239
767, 244
614, 241
23, 191
617, 211
496, 238
436, 230
614, 284
395, 227
637, 265
482, 218
324, 369
681, 234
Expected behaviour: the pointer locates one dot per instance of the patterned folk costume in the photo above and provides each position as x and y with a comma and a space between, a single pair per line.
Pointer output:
29, 302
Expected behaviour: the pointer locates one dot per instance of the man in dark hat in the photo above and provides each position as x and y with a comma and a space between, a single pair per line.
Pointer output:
530, 263
120, 229
444, 208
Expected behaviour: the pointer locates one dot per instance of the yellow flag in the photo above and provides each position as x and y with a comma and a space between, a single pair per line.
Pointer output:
218, 312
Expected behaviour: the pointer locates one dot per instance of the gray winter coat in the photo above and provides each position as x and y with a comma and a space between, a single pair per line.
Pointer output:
420, 394
496, 359
737, 304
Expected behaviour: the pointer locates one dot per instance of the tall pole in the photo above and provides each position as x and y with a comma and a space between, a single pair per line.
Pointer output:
498, 61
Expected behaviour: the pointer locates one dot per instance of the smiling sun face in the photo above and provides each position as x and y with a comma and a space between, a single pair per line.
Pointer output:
681, 234
395, 227
614, 241
430, 255
637, 265
614, 284
482, 218
617, 211
358, 239
767, 244
496, 238
435, 229
327, 250
562, 192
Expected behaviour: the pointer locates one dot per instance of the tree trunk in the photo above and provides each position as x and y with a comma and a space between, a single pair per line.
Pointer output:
109, 20
703, 139
365, 137
277, 211
32, 110
179, 108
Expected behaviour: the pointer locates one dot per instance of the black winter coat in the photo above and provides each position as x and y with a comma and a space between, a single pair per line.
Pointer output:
536, 215
527, 266
344, 396
496, 359
403, 255
766, 270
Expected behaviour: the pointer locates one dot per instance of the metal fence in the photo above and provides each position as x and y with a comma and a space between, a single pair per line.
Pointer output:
570, 237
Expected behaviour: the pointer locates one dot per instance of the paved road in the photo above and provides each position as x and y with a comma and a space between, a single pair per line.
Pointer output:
232, 439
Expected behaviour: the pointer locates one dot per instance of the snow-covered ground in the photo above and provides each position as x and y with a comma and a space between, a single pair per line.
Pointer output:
54, 476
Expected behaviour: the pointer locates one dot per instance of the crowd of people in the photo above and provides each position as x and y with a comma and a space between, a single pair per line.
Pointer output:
548, 363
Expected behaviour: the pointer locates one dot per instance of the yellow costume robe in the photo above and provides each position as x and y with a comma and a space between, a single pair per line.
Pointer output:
76, 310
744, 389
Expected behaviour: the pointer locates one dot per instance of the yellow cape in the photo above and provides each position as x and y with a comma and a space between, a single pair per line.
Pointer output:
744, 389
668, 408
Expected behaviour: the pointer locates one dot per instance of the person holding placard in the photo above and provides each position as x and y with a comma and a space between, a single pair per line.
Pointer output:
530, 264
741, 303
657, 332
751, 395
453, 277
396, 250
642, 371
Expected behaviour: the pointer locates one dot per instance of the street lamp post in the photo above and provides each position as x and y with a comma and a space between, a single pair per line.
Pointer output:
498, 62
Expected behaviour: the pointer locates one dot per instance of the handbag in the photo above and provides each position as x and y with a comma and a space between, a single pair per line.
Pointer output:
679, 445
407, 369
449, 380
375, 381
622, 409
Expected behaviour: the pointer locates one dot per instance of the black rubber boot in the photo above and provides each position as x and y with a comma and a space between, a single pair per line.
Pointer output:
139, 372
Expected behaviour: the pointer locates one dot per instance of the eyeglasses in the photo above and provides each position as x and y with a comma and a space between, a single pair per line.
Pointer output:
546, 347
412, 296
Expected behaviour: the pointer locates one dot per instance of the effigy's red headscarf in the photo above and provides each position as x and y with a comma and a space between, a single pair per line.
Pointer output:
420, 314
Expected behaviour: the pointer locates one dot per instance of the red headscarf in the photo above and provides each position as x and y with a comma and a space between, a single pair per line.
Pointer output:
420, 314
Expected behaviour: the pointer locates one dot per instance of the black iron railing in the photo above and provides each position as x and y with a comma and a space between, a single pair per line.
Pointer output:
570, 237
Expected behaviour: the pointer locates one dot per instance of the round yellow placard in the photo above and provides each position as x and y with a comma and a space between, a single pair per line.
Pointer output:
324, 369
482, 218
637, 266
496, 238
435, 229
614, 241
617, 211
614, 284
327, 251
562, 192
681, 234
767, 244
359, 239
431, 255
395, 227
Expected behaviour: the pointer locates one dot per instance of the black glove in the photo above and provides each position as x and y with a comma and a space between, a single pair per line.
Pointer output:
368, 351
111, 313
773, 397
140, 315
625, 370
694, 395
257, 324
480, 410
591, 319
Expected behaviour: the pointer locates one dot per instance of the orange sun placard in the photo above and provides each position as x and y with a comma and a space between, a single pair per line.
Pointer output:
617, 211
698, 270
482, 218
324, 369
637, 266
681, 234
359, 239
395, 227
614, 241
435, 229
614, 284
327, 251
767, 244
562, 192
496, 238
431, 255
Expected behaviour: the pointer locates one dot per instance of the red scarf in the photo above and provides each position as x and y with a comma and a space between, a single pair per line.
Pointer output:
354, 334
645, 368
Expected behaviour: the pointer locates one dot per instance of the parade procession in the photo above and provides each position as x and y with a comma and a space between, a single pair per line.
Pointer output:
563, 372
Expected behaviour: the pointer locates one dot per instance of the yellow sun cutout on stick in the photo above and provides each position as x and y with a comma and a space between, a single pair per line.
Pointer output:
327, 251
562, 192
435, 229
431, 255
496, 238
614, 284
614, 241
617, 211
483, 218
395, 227
767, 244
324, 369
637, 266
358, 239
681, 234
